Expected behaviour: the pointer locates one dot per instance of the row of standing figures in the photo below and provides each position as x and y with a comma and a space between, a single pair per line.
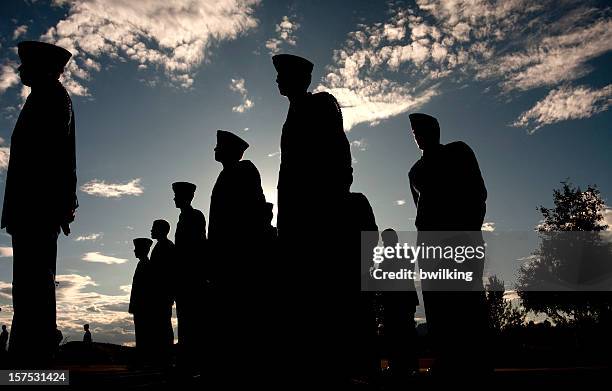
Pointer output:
253, 302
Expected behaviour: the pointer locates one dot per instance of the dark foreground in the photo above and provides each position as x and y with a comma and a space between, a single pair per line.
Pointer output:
111, 367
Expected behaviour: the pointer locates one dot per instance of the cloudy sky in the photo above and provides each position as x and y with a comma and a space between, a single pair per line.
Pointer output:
526, 83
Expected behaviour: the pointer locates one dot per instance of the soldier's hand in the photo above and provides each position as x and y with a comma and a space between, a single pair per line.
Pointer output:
69, 218
66, 228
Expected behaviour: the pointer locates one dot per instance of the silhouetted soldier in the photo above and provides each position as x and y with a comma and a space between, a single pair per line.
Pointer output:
450, 195
236, 232
399, 308
190, 241
237, 202
311, 190
139, 299
4, 336
161, 297
309, 186
42, 156
354, 316
87, 336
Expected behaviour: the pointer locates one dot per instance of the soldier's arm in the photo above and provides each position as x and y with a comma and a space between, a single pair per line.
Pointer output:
475, 182
473, 172
58, 118
335, 152
413, 190
252, 195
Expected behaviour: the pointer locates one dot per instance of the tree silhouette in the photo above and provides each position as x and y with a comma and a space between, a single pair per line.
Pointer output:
570, 251
574, 210
503, 314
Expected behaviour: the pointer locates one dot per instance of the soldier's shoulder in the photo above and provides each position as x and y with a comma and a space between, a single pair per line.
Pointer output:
418, 165
198, 215
58, 92
359, 201
55, 99
458, 146
246, 165
357, 197
197, 212
324, 97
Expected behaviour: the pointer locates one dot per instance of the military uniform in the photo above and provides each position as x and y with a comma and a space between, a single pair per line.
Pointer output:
448, 189
40, 193
450, 194
161, 297
140, 306
190, 246
313, 186
353, 312
310, 184
237, 202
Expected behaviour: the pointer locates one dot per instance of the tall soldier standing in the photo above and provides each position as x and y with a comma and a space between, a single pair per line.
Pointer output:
42, 156
237, 203
235, 233
313, 186
189, 241
309, 184
450, 196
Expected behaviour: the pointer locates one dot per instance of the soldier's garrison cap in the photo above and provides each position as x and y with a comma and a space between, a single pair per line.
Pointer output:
420, 121
231, 141
142, 244
43, 55
184, 188
288, 63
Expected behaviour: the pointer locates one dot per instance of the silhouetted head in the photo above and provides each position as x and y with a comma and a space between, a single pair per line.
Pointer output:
142, 247
3, 327
160, 229
389, 237
229, 148
86, 326
183, 193
294, 74
425, 129
41, 62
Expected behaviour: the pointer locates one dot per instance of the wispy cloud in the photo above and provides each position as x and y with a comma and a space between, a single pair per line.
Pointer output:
285, 31
175, 36
553, 59
6, 291
488, 226
8, 76
389, 67
89, 237
79, 303
19, 31
238, 85
98, 257
360, 145
363, 75
6, 252
101, 188
5, 153
565, 103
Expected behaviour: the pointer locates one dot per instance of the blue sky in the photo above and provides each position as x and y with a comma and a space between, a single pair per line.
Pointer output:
526, 83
